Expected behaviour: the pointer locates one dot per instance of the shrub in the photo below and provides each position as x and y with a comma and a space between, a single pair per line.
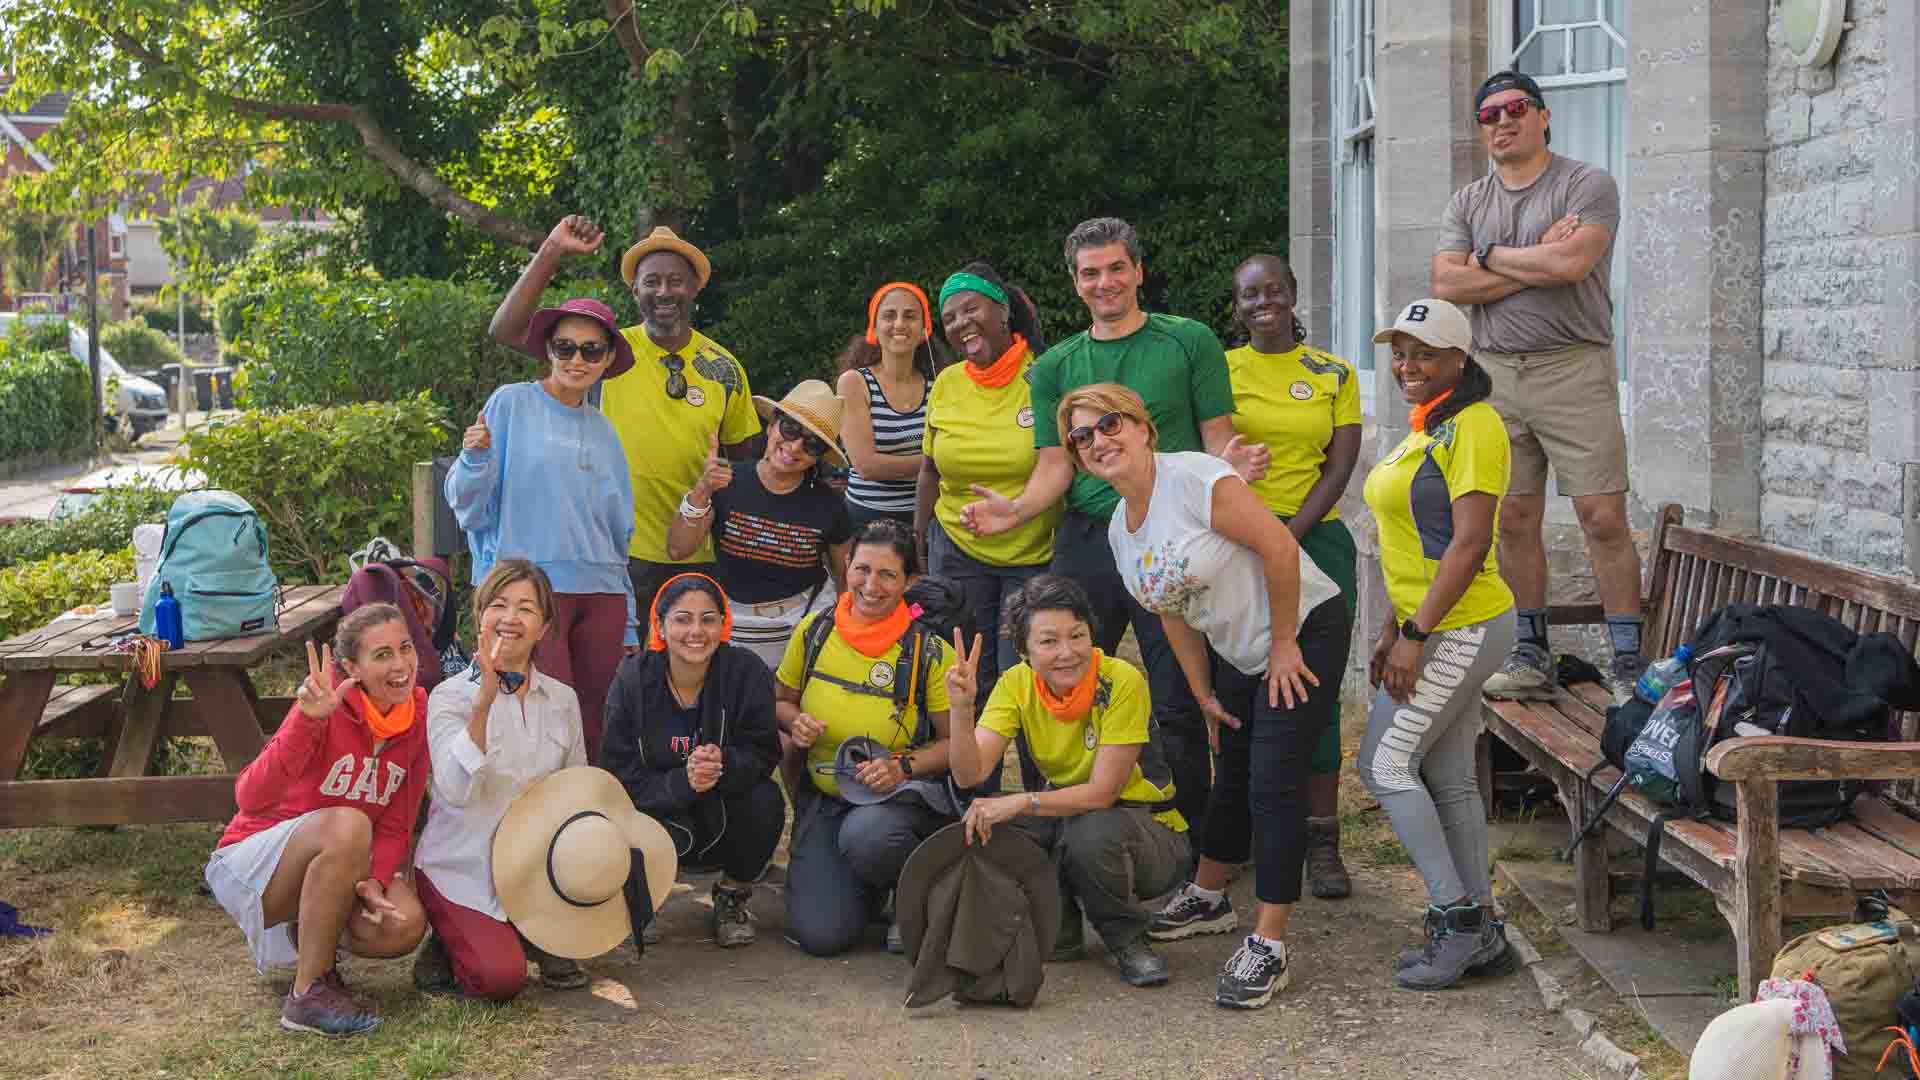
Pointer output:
45, 405
324, 479
160, 312
106, 524
139, 347
286, 256
33, 593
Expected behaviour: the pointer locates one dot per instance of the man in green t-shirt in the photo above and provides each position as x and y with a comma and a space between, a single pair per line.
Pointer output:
1178, 368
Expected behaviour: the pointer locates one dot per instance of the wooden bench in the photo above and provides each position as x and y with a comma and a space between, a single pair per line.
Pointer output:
1759, 873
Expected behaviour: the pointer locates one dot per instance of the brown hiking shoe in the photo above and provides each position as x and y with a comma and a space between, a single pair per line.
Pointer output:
325, 1010
1326, 874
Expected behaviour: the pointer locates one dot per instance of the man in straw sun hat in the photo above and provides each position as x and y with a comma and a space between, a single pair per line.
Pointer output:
687, 394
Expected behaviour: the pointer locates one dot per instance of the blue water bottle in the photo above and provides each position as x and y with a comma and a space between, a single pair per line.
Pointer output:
1662, 675
166, 618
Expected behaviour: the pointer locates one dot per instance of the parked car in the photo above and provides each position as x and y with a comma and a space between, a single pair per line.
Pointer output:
140, 402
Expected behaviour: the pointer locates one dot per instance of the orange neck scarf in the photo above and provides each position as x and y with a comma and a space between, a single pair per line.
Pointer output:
1076, 703
869, 637
390, 724
1001, 371
1417, 416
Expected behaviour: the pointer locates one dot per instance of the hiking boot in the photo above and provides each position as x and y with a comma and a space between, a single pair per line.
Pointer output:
1526, 676
1495, 956
433, 967
1188, 914
1464, 932
325, 1010
1254, 973
1139, 964
556, 972
732, 922
1623, 674
1326, 874
1411, 956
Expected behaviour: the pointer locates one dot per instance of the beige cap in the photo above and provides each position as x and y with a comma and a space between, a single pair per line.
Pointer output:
1435, 322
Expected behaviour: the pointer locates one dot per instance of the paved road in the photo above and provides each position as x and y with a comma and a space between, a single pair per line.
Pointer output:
32, 494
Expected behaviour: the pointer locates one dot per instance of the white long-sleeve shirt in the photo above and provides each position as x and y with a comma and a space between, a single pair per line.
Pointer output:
527, 739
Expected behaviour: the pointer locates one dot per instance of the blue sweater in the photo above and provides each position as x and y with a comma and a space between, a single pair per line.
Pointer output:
553, 489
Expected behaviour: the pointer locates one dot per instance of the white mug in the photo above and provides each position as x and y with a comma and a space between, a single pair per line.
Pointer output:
126, 598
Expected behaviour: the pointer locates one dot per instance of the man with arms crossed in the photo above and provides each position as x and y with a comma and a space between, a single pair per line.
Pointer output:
1530, 247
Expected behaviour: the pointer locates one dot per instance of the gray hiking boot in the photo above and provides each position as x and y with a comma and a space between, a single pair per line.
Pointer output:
1411, 956
1493, 957
732, 922
1139, 964
1464, 934
1326, 874
1526, 676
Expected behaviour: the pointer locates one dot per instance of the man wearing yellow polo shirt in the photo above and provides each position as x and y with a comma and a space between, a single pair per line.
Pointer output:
688, 392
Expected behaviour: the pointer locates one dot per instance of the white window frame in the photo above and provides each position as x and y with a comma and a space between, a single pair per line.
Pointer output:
1354, 54
1503, 53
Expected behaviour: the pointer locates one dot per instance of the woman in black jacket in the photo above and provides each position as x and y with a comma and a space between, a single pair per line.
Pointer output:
690, 733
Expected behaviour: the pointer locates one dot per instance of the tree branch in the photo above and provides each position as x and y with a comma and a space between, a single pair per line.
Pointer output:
626, 27
379, 146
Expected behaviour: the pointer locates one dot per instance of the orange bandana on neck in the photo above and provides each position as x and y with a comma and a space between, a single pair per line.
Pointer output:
1417, 416
390, 724
1076, 703
869, 637
1001, 371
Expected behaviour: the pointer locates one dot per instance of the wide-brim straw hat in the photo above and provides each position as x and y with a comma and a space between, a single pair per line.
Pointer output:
561, 858
541, 327
818, 409
1755, 1042
665, 239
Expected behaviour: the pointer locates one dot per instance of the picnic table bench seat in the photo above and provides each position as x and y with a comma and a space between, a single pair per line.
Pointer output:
1759, 873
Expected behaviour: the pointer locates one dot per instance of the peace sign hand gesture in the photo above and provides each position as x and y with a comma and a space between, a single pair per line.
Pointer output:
963, 678
317, 696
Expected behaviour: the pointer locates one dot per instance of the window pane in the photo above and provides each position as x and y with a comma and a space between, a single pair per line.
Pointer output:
1545, 55
1354, 322
1558, 12
1593, 50
1589, 124
1523, 18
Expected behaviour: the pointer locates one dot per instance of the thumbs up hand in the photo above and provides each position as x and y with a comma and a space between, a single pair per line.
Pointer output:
718, 472
478, 437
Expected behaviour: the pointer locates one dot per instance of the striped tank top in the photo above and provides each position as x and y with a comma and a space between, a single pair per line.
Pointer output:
894, 432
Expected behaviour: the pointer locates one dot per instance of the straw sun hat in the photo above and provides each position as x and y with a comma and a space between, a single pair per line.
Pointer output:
561, 858
817, 408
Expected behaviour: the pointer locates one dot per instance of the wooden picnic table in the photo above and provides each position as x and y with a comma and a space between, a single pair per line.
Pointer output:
132, 718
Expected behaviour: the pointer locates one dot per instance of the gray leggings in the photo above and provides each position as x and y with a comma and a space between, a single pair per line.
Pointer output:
1418, 759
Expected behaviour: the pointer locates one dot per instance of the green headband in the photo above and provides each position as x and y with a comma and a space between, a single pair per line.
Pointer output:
965, 282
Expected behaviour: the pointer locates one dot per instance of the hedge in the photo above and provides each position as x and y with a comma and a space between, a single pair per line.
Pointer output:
164, 315
139, 347
44, 403
105, 524
324, 479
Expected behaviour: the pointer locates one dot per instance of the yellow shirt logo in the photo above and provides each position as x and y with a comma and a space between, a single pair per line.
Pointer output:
881, 674
1024, 417
696, 397
1301, 391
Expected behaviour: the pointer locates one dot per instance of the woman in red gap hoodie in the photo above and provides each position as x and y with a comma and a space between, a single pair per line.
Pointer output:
316, 857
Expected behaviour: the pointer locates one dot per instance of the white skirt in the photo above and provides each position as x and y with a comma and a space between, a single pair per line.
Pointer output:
765, 628
239, 874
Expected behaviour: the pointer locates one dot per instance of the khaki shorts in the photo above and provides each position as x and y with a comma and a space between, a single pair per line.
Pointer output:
1562, 410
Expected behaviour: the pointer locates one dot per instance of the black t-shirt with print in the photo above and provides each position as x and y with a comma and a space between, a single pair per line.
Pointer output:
771, 547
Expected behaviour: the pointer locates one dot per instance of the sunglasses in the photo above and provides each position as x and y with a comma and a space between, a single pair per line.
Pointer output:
1082, 436
791, 429
1516, 108
593, 352
676, 376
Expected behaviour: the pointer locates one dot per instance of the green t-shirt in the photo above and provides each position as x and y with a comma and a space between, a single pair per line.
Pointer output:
1177, 367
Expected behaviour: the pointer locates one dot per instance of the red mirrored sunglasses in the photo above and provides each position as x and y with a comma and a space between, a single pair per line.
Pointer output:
1516, 108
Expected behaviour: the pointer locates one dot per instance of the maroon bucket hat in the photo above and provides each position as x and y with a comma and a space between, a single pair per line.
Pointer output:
542, 326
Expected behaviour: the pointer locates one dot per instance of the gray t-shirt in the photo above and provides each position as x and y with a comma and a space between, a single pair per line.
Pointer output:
1538, 319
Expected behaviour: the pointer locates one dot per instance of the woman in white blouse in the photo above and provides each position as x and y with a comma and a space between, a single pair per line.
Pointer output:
493, 733
1262, 637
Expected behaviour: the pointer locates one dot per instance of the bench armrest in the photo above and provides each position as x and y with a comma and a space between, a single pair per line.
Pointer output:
1781, 757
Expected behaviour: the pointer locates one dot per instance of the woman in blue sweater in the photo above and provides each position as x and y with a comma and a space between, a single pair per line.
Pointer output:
541, 476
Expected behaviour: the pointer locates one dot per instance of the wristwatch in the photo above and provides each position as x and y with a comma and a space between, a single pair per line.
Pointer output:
1480, 254
906, 765
1412, 632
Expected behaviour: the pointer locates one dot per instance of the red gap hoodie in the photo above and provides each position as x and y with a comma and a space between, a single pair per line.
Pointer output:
314, 764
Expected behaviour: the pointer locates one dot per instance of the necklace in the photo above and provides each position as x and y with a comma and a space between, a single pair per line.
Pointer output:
684, 701
762, 469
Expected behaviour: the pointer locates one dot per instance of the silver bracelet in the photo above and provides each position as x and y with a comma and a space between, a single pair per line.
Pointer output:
692, 512
1033, 803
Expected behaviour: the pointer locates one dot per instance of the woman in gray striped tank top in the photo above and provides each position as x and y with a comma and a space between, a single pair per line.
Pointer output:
884, 376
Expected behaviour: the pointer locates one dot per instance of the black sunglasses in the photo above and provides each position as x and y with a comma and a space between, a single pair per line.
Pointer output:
792, 429
1082, 436
1516, 108
593, 352
676, 376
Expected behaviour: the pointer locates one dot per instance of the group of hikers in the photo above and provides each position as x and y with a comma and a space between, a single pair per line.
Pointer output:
669, 587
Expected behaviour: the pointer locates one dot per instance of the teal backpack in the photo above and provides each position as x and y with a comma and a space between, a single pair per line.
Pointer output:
214, 555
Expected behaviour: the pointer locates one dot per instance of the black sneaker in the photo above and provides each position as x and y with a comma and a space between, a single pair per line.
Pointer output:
324, 1010
1188, 914
1254, 973
1139, 964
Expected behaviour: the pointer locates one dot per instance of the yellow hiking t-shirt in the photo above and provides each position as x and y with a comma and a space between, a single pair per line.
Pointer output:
1121, 716
1292, 401
848, 713
665, 439
982, 435
1411, 493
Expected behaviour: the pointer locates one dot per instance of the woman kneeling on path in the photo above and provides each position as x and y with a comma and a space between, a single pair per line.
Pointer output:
1436, 498
1253, 623
1106, 810
495, 731
326, 814
690, 734
845, 857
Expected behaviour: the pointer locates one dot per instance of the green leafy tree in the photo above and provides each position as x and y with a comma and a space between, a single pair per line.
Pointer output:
205, 243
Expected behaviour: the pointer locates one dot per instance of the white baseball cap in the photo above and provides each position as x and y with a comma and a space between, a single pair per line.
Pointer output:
1435, 322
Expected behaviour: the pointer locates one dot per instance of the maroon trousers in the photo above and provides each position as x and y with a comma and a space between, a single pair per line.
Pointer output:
583, 648
488, 962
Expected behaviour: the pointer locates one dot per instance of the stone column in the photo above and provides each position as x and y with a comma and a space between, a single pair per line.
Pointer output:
1693, 199
1894, 370
1310, 163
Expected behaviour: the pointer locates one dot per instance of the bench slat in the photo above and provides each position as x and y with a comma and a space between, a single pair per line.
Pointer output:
1901, 864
